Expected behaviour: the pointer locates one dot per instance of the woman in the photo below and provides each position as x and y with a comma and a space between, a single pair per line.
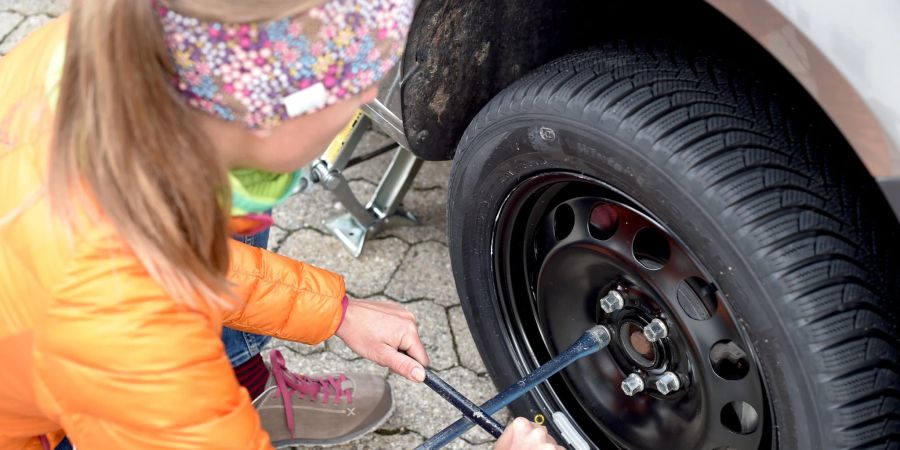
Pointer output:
134, 139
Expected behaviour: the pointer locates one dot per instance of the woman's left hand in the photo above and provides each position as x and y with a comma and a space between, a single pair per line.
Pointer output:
386, 333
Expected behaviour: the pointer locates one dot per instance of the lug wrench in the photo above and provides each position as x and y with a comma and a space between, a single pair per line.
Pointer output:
470, 410
592, 341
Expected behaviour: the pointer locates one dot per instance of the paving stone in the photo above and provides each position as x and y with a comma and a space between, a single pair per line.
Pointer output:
373, 169
365, 276
8, 22
277, 235
379, 441
462, 444
402, 439
324, 362
433, 175
23, 29
303, 210
30, 7
296, 347
465, 345
337, 346
430, 207
425, 413
434, 330
425, 273
315, 208
416, 235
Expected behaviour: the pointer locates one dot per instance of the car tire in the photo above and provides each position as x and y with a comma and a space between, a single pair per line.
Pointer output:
739, 173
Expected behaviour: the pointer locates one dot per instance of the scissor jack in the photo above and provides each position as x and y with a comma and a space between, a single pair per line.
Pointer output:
383, 211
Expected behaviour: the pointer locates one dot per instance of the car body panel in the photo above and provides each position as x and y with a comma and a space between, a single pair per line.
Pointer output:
463, 52
846, 56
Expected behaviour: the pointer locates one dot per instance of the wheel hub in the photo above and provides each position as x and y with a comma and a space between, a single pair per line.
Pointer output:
636, 344
633, 351
588, 255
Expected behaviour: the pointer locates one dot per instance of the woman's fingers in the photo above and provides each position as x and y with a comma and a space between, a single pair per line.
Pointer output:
413, 346
505, 441
401, 364
382, 331
523, 434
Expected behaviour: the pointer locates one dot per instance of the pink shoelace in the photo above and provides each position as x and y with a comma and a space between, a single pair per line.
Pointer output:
289, 383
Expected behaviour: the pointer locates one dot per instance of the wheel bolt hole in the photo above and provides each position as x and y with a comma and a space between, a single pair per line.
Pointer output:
739, 417
651, 248
604, 222
563, 221
729, 360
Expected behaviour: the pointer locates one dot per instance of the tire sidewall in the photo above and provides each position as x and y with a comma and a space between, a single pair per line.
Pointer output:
493, 159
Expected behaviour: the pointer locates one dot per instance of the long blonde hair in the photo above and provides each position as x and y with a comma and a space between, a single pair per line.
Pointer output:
124, 139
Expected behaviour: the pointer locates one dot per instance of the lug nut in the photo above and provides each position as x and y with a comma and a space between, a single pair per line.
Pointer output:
632, 384
668, 383
612, 302
655, 330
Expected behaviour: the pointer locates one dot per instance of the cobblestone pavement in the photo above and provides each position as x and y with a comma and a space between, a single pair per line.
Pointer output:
408, 265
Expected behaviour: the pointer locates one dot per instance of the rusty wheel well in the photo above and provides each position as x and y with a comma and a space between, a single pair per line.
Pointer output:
461, 53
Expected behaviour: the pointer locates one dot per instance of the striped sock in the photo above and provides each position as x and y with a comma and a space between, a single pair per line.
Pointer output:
253, 375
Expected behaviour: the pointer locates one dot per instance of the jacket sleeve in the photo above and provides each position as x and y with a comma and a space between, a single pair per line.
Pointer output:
283, 297
120, 365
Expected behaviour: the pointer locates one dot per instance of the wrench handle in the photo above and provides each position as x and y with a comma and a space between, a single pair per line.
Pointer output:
470, 410
592, 341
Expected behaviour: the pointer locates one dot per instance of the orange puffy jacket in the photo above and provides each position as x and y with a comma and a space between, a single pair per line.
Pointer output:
89, 342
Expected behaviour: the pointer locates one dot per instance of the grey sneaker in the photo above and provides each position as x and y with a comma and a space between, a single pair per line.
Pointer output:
321, 410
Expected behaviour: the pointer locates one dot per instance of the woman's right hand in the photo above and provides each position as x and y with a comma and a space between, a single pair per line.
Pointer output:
386, 333
523, 434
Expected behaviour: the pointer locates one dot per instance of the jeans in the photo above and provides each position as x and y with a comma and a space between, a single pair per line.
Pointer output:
240, 346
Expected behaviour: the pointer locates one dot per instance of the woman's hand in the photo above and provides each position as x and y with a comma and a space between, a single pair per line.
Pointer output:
523, 434
381, 331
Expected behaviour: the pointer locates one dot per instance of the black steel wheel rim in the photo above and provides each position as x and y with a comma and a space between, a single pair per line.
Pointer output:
561, 242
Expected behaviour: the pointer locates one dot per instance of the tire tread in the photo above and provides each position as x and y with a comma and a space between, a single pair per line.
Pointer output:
783, 181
